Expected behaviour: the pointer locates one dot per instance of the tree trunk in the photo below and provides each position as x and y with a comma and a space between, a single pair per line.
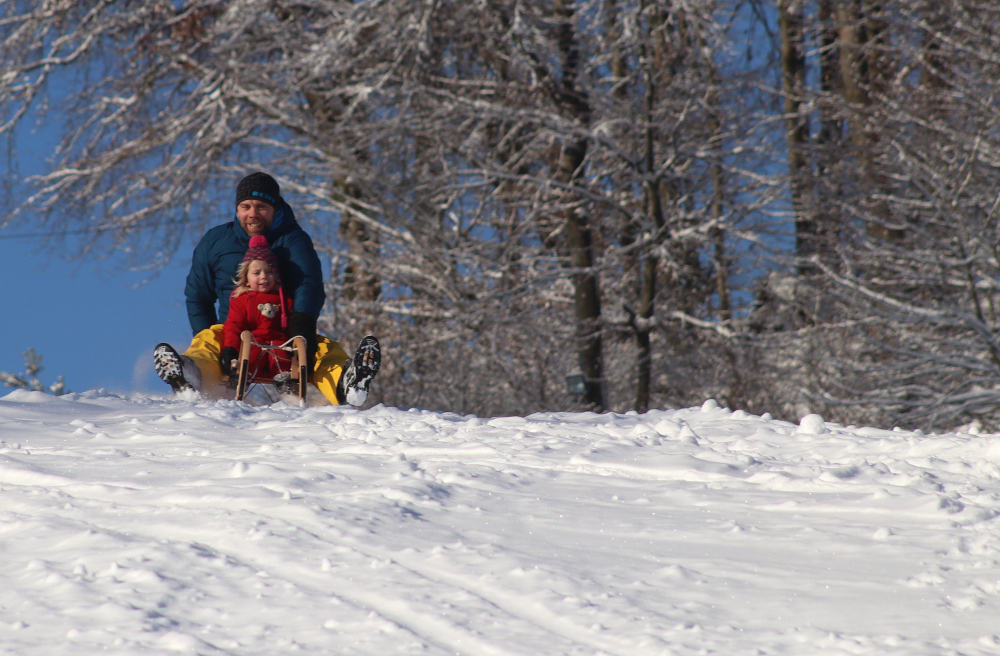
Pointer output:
579, 241
857, 74
829, 139
360, 283
618, 65
643, 320
793, 74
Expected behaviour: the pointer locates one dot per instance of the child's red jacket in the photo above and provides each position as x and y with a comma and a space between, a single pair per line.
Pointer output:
260, 313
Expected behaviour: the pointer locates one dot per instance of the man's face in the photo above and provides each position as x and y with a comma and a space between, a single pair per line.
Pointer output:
255, 217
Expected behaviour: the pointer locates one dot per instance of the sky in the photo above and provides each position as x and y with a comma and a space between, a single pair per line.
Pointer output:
94, 323
91, 323
146, 524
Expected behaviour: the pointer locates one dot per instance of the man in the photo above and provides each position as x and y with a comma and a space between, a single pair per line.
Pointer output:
260, 210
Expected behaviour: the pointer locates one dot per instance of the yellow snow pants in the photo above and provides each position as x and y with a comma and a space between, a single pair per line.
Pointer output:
206, 347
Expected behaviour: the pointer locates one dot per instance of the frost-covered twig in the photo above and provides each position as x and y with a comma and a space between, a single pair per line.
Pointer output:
29, 379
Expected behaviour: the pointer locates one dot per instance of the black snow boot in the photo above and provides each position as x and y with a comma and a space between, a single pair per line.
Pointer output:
284, 384
361, 370
170, 367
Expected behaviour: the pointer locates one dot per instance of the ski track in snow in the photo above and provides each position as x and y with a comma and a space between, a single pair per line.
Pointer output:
144, 525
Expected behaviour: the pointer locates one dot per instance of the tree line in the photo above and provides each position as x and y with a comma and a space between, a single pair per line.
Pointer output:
787, 206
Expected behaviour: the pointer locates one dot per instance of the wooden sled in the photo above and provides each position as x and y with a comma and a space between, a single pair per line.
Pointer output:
296, 346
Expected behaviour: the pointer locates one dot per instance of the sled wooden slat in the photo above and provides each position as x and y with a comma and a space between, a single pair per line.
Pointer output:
246, 337
299, 367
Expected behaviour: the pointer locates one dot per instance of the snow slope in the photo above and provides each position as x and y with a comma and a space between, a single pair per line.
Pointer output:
142, 525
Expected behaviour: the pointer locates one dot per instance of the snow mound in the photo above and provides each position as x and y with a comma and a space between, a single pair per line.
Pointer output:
144, 525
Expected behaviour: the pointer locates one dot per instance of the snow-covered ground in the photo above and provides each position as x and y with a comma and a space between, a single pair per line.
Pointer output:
145, 525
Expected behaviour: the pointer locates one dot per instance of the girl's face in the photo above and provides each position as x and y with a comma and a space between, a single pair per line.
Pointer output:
260, 277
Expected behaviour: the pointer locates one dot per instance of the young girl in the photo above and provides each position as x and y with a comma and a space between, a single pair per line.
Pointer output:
258, 304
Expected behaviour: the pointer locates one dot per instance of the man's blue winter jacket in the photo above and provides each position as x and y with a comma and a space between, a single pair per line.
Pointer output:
219, 253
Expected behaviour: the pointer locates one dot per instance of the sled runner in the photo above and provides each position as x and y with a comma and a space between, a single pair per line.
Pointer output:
295, 346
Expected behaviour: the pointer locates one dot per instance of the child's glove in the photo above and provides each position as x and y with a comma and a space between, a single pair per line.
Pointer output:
226, 360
